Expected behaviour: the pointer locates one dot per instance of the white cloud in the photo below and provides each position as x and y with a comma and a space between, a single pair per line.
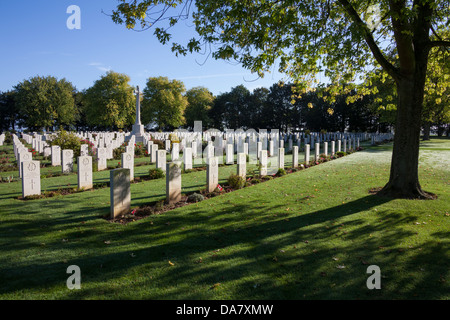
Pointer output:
100, 66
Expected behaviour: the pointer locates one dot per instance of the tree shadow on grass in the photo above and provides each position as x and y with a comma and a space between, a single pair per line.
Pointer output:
270, 256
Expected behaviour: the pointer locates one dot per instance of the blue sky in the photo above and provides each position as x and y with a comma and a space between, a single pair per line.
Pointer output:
36, 41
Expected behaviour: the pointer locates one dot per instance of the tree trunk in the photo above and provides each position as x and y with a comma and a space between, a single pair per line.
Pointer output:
426, 130
404, 178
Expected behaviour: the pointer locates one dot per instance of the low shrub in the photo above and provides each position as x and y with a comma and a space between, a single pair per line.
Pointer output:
156, 173
280, 172
236, 182
195, 197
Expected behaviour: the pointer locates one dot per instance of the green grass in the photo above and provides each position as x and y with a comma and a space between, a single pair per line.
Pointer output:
307, 235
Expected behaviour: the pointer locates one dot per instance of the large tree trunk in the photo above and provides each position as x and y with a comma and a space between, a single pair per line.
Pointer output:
404, 178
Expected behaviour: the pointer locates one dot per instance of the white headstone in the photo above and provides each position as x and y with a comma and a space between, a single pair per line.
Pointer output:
120, 193
31, 178
187, 158
242, 165
56, 156
67, 160
212, 174
173, 182
84, 170
128, 163
161, 159
295, 156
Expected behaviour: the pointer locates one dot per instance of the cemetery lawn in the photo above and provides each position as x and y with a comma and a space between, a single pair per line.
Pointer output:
307, 235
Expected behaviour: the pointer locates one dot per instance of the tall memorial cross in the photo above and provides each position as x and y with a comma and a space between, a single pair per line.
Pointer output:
138, 128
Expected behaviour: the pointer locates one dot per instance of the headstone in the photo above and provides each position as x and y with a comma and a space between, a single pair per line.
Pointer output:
173, 182
128, 163
295, 156
84, 169
325, 148
153, 153
333, 147
307, 153
31, 178
47, 151
281, 158
56, 156
263, 163
212, 174
67, 160
230, 154
167, 145
175, 151
23, 156
187, 158
242, 165
102, 164
120, 193
84, 150
317, 152
161, 160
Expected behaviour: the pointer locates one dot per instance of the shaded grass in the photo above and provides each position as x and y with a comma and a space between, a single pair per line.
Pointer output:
306, 235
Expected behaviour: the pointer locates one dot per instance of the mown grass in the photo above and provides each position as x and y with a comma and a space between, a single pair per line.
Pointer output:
307, 235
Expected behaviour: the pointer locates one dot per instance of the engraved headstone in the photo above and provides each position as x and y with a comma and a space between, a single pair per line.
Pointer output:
31, 178
84, 170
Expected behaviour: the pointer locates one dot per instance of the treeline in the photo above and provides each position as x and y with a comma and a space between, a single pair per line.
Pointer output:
48, 103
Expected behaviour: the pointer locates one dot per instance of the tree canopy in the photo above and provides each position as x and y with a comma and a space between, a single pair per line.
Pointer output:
164, 103
341, 39
45, 102
200, 101
110, 102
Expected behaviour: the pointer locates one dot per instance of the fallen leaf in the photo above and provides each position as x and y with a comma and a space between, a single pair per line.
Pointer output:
214, 286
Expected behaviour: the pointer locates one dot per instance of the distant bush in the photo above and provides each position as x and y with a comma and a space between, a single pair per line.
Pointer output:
280, 172
67, 140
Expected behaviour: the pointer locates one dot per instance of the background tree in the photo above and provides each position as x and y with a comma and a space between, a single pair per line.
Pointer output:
164, 103
80, 119
257, 101
45, 102
8, 111
110, 103
200, 101
230, 109
279, 110
436, 109
341, 38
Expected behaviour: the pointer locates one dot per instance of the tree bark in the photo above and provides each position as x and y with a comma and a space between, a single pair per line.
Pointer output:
426, 130
404, 177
